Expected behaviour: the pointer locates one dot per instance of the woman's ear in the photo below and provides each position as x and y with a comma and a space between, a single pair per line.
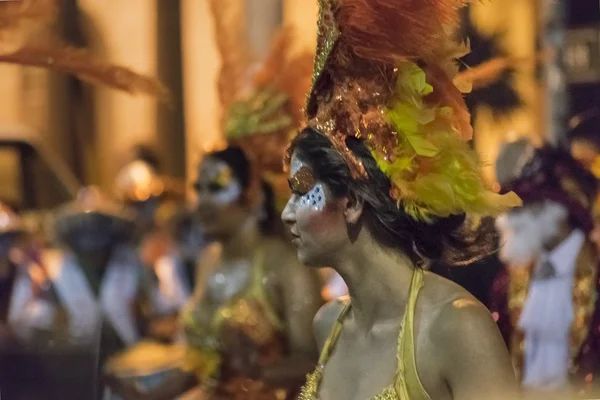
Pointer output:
353, 211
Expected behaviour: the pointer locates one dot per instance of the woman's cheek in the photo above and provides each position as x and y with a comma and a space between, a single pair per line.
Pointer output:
312, 213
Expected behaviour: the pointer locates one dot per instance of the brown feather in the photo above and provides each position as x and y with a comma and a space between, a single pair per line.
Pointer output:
394, 30
289, 73
82, 64
445, 94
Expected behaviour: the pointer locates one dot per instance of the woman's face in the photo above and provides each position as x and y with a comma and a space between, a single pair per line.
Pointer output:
315, 217
524, 233
220, 209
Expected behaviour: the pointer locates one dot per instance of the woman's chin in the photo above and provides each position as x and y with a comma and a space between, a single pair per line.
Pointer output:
307, 259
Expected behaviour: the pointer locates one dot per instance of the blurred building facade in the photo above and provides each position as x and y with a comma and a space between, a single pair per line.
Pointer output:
93, 129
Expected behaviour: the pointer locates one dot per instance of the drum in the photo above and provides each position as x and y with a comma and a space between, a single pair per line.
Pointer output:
146, 365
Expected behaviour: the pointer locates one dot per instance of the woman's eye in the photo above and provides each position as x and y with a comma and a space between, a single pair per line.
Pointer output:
295, 189
214, 187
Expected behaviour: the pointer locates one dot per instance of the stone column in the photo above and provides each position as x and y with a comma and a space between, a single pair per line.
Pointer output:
126, 34
11, 87
200, 69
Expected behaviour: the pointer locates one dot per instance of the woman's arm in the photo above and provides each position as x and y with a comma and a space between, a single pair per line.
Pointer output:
474, 360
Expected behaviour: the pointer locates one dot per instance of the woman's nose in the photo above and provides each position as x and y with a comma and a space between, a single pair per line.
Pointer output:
288, 216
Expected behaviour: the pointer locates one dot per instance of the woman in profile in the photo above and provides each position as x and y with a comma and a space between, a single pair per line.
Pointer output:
383, 178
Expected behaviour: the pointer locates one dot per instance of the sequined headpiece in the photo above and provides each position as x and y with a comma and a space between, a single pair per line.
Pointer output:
262, 110
384, 73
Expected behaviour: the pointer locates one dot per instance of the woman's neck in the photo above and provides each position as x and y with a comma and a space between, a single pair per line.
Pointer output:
378, 281
244, 241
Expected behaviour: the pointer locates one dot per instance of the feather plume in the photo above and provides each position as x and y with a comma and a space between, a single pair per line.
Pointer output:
26, 38
447, 94
287, 72
82, 64
398, 30
230, 36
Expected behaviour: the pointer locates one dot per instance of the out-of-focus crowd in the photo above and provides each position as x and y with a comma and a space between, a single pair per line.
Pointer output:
121, 269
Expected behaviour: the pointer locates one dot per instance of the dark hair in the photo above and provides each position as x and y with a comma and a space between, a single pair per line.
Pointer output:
241, 167
449, 240
239, 163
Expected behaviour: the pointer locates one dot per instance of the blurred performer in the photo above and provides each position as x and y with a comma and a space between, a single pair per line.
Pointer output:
96, 277
249, 326
21, 277
22, 376
546, 299
167, 285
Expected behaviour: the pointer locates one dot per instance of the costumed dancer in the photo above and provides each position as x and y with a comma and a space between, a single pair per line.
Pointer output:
21, 277
545, 299
248, 326
167, 283
382, 177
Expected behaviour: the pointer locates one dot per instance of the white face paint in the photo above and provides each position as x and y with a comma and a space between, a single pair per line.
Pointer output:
217, 182
229, 193
524, 233
295, 166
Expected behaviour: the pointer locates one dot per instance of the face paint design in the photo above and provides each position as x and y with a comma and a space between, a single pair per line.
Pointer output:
314, 199
217, 178
303, 184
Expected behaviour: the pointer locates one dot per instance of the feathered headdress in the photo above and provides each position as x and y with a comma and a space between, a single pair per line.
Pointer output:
261, 111
24, 40
384, 73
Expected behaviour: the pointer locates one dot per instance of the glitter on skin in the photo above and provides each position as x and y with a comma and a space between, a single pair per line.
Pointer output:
314, 199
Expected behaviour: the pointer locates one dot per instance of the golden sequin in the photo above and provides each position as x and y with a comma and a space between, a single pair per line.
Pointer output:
310, 391
302, 181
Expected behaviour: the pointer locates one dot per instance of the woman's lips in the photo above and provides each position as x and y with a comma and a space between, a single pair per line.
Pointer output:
295, 238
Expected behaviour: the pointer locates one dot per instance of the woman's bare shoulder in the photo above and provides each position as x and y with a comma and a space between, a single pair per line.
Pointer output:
439, 293
461, 331
326, 318
450, 313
